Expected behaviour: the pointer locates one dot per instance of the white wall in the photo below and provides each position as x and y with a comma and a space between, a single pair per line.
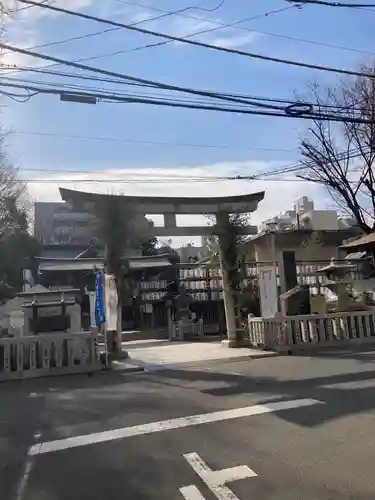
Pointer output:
321, 220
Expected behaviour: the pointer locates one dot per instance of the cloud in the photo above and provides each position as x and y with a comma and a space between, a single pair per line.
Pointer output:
185, 26
22, 29
22, 15
23, 39
235, 41
279, 194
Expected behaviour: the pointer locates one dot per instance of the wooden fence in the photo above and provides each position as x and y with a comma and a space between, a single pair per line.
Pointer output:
288, 333
46, 355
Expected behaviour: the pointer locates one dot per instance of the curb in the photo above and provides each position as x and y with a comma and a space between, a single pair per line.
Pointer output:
119, 369
204, 363
132, 369
189, 364
266, 355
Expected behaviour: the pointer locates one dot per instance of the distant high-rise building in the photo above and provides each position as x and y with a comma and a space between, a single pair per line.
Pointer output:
304, 216
303, 205
56, 224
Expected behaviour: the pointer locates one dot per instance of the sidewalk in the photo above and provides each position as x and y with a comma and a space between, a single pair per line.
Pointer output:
156, 354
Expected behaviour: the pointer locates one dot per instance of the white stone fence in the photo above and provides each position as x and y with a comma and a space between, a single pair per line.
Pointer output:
290, 333
48, 354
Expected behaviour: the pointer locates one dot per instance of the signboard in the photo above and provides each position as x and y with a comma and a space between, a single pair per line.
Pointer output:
110, 301
268, 291
99, 302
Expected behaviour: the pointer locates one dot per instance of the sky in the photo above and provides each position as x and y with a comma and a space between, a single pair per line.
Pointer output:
57, 142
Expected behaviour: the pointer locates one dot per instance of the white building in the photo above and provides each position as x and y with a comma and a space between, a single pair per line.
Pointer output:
55, 223
305, 216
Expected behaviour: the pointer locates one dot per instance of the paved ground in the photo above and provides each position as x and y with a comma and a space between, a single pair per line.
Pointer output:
153, 354
126, 436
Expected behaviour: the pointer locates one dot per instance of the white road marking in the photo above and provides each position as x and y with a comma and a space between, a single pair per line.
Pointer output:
30, 462
191, 493
216, 480
165, 425
28, 467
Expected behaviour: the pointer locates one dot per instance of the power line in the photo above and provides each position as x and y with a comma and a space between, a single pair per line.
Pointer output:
180, 13
148, 180
219, 26
151, 142
250, 99
13, 11
353, 153
364, 6
261, 176
213, 9
160, 180
234, 25
88, 35
183, 40
124, 77
285, 101
144, 81
109, 95
69, 75
170, 103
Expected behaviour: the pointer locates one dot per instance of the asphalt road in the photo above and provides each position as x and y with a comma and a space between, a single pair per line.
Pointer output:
322, 451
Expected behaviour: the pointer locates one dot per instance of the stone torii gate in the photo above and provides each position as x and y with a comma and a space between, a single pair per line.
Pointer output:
169, 207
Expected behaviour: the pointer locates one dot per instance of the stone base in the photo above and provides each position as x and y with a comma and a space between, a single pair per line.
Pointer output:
229, 343
118, 355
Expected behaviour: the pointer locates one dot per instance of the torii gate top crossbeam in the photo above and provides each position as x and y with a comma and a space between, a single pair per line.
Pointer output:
245, 203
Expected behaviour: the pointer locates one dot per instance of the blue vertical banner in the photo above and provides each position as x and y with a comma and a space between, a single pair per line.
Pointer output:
99, 302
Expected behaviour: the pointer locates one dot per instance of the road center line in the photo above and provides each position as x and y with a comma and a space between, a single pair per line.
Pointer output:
165, 425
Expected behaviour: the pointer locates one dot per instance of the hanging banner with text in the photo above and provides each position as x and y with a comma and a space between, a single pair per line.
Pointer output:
99, 299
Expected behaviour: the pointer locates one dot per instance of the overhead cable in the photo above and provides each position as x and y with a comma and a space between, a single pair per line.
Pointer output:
347, 155
218, 26
150, 142
127, 78
286, 104
236, 26
88, 35
261, 176
121, 76
198, 106
188, 41
350, 5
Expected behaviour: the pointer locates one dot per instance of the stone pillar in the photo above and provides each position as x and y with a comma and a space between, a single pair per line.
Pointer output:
222, 220
74, 313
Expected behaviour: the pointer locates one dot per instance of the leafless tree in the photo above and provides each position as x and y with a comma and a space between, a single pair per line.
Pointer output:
13, 199
340, 156
18, 248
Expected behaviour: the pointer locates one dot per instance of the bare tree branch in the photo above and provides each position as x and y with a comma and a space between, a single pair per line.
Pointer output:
341, 156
